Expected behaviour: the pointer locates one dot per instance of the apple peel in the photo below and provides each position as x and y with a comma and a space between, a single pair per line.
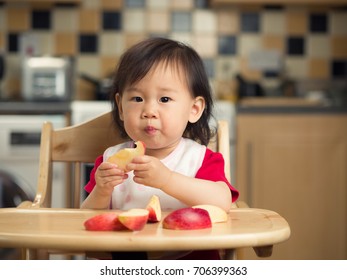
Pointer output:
154, 209
187, 219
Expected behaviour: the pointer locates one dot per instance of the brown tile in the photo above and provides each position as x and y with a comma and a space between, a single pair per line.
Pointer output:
132, 39
274, 42
2, 40
158, 21
228, 22
89, 20
84, 90
112, 4
339, 46
108, 65
297, 22
13, 87
318, 68
18, 19
65, 43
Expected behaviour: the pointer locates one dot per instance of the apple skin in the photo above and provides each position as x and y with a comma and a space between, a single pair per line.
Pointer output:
187, 219
125, 156
134, 219
102, 222
154, 209
217, 214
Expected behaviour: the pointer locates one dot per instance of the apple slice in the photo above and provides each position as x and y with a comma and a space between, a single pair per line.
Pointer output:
125, 156
154, 209
134, 219
217, 214
102, 222
187, 219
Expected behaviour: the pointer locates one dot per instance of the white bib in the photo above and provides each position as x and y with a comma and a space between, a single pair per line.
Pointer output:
186, 159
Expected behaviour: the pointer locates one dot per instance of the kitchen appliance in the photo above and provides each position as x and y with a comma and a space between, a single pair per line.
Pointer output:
47, 78
19, 158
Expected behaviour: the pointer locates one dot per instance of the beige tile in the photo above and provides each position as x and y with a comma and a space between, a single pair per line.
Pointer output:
111, 43
228, 22
338, 23
273, 23
205, 45
90, 4
133, 20
155, 4
318, 46
204, 21
182, 4
65, 20
158, 21
248, 43
318, 68
46, 41
18, 19
89, 65
296, 22
111, 4
274, 42
296, 67
186, 38
227, 67
89, 20
65, 43
339, 46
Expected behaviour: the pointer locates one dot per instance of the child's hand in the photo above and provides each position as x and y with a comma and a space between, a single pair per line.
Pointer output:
107, 176
150, 171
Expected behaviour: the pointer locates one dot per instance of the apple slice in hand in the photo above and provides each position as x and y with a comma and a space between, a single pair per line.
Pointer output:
154, 209
217, 214
134, 219
125, 156
102, 222
187, 219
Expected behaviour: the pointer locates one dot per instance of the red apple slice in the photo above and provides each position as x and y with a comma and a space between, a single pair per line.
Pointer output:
217, 214
125, 156
154, 209
187, 219
134, 219
102, 222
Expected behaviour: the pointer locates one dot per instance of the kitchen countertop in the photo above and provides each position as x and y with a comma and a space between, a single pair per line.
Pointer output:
24, 108
287, 106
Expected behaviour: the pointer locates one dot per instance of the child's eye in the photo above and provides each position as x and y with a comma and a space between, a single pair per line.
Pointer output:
137, 99
164, 99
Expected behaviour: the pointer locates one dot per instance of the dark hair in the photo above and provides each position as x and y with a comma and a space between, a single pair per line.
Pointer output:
138, 60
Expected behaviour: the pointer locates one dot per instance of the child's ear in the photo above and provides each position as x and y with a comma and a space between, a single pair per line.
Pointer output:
197, 109
119, 105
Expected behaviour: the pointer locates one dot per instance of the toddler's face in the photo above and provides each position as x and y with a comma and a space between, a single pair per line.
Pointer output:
157, 109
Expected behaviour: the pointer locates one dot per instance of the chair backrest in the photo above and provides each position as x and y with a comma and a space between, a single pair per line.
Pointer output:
83, 143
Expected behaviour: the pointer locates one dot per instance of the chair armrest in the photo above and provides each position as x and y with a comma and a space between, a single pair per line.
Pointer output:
241, 204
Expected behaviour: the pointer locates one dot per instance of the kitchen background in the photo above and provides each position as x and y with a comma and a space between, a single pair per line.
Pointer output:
299, 42
278, 72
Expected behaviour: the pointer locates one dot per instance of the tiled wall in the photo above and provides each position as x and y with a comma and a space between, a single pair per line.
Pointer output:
311, 41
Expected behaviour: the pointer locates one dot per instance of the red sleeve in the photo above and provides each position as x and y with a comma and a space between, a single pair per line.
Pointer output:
212, 169
91, 184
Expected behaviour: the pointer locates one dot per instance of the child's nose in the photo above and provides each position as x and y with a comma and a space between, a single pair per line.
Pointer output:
149, 111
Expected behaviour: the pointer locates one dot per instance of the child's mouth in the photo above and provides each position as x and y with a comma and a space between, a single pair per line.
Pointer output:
150, 130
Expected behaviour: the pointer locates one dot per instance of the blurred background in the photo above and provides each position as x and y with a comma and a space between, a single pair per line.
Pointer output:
278, 70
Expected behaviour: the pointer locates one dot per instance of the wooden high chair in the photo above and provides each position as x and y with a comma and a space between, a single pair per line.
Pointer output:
83, 143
